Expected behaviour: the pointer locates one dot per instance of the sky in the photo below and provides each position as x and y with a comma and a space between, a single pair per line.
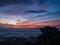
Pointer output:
29, 13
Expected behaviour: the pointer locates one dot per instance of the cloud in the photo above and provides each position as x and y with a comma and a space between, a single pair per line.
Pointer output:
52, 16
13, 9
46, 17
27, 24
33, 11
54, 13
55, 23
9, 2
52, 21
19, 9
27, 2
39, 16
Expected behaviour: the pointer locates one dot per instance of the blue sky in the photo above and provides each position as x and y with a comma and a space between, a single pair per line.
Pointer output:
30, 10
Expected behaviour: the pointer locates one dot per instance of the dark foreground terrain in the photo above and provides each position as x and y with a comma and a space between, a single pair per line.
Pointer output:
49, 36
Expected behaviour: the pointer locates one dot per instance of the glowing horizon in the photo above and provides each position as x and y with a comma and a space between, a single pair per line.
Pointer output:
33, 12
25, 24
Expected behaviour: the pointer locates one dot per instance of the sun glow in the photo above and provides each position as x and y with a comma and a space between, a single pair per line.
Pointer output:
12, 22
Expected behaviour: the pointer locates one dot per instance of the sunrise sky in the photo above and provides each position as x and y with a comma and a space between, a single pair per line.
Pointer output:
29, 13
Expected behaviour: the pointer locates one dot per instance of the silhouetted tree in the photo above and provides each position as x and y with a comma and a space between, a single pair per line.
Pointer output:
49, 36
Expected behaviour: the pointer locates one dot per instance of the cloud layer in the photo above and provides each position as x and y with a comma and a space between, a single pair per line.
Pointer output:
29, 12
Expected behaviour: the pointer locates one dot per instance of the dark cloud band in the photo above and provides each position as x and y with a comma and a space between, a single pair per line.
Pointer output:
33, 11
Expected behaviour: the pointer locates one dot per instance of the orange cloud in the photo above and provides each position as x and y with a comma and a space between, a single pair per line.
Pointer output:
26, 24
